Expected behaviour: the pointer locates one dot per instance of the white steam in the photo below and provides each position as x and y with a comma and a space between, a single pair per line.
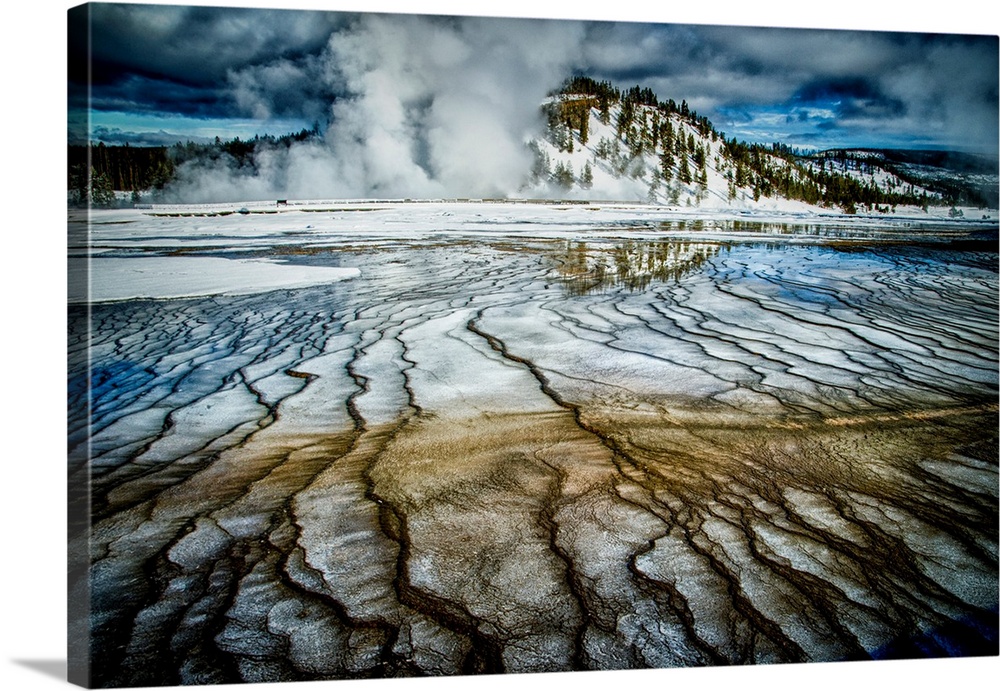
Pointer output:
428, 106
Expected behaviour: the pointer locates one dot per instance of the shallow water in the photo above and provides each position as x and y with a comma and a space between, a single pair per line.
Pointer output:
537, 454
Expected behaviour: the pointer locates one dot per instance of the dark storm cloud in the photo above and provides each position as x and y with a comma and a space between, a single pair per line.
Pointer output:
135, 93
935, 87
719, 64
266, 64
177, 59
850, 98
201, 44
823, 90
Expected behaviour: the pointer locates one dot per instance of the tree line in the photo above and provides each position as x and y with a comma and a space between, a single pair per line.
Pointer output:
96, 171
680, 140
646, 125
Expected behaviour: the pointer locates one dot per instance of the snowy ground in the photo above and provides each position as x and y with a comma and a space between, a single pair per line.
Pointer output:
147, 252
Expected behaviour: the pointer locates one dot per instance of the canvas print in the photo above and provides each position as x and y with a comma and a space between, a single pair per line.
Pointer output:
412, 345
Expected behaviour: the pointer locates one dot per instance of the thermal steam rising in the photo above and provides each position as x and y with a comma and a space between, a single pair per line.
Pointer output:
426, 112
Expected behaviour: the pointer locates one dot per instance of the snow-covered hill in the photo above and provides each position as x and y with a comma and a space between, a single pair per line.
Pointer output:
614, 148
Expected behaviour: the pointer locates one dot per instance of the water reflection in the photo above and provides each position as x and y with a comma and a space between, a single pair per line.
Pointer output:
759, 227
863, 229
632, 264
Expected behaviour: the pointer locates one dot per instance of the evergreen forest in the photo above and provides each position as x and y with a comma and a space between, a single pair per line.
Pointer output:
682, 142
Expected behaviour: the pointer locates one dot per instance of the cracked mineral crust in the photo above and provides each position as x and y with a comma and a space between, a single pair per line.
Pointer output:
543, 455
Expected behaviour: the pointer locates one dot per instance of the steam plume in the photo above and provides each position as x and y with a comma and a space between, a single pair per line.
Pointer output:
427, 106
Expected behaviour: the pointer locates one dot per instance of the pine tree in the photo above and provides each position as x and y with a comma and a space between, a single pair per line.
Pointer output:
654, 186
603, 109
702, 184
666, 165
684, 174
563, 175
79, 184
101, 192
604, 149
540, 164
667, 136
626, 113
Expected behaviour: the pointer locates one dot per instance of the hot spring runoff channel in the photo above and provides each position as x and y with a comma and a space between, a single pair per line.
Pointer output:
534, 449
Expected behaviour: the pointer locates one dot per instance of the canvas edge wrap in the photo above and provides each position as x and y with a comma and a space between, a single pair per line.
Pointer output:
78, 444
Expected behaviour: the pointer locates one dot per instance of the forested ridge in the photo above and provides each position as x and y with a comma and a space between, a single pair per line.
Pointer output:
684, 145
98, 170
687, 147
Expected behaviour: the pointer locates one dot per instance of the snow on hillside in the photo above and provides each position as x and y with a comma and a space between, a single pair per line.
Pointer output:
868, 170
602, 166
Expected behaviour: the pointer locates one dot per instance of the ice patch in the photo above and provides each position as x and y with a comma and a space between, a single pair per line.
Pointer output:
127, 278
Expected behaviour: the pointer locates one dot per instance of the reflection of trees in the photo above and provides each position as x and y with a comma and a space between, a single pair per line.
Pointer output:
632, 264
758, 227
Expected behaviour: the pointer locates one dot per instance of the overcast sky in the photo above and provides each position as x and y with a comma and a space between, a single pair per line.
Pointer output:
163, 73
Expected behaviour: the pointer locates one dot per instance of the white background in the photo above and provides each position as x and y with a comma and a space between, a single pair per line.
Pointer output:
32, 366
